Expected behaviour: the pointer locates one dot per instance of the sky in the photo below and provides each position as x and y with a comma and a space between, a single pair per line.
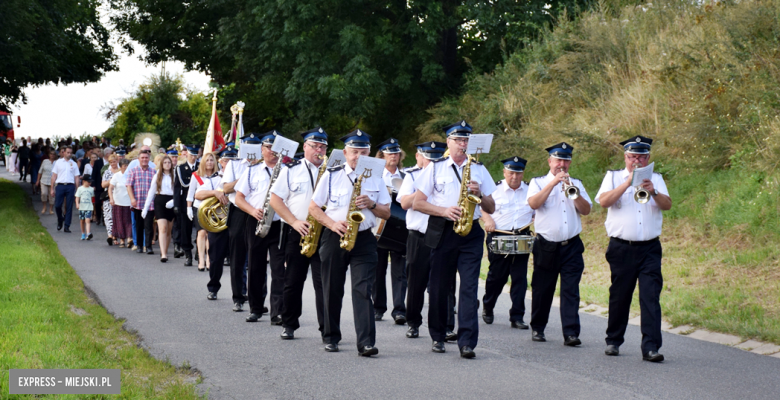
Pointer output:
74, 109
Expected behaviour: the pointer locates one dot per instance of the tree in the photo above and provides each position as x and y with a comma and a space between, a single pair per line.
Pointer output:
162, 105
53, 41
339, 63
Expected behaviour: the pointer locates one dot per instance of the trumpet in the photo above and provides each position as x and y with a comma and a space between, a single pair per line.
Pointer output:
641, 195
572, 192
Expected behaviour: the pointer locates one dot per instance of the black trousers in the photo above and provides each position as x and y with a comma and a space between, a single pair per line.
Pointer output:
294, 279
98, 208
185, 227
463, 255
418, 264
259, 250
144, 226
550, 260
362, 264
238, 254
218, 250
397, 279
23, 170
502, 266
629, 263
175, 229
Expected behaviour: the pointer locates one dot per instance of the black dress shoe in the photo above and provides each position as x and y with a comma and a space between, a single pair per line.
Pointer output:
412, 332
438, 347
59, 226
276, 320
238, 307
252, 317
67, 230
400, 319
287, 334
572, 341
265, 309
538, 336
188, 259
488, 318
332, 348
467, 352
368, 351
177, 251
149, 251
653, 356
611, 350
212, 296
378, 316
519, 325
140, 250
450, 336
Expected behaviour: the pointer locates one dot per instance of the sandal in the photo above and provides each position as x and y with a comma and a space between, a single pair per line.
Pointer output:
121, 244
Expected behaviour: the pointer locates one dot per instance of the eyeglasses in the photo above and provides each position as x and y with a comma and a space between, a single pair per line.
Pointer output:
460, 140
318, 147
637, 156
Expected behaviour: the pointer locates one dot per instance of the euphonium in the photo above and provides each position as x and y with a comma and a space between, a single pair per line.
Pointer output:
212, 215
310, 241
641, 195
467, 202
354, 216
264, 225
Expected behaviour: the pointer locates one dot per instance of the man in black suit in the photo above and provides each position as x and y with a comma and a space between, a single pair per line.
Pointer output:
181, 186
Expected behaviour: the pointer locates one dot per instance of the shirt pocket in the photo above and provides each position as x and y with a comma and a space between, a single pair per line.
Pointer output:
441, 184
341, 197
502, 206
372, 194
297, 185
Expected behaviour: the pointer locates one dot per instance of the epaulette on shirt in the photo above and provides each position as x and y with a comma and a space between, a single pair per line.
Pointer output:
615, 170
413, 169
538, 177
441, 159
292, 163
476, 162
498, 182
336, 168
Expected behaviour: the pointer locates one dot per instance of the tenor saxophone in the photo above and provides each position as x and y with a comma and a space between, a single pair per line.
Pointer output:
310, 241
467, 202
354, 216
264, 226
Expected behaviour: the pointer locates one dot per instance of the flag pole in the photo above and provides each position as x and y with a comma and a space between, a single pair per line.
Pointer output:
209, 145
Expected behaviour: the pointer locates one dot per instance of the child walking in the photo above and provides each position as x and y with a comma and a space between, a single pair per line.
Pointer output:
84, 196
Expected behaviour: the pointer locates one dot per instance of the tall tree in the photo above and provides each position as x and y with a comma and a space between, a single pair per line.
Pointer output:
51, 41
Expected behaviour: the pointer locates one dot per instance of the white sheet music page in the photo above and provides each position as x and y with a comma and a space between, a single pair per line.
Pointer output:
641, 174
284, 146
479, 143
336, 158
376, 165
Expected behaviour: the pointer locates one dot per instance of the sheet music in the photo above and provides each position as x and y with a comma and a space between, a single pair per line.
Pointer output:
479, 143
284, 146
376, 165
336, 158
250, 151
642, 173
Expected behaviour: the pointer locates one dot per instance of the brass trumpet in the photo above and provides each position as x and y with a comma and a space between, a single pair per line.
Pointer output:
572, 192
641, 195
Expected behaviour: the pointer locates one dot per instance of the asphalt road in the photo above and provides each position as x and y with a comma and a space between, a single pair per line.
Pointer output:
166, 305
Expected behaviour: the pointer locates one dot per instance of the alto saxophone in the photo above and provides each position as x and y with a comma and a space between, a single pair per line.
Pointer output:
354, 216
467, 202
264, 226
311, 240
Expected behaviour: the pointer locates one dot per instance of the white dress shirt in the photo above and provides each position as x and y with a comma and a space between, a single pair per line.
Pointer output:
254, 184
627, 219
387, 176
557, 219
66, 170
335, 191
295, 186
233, 171
512, 209
213, 182
415, 220
165, 189
439, 182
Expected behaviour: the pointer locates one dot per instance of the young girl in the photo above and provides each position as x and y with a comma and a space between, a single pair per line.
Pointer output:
84, 196
161, 192
207, 178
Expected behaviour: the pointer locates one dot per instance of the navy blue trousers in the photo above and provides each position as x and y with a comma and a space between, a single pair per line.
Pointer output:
630, 263
238, 252
463, 255
64, 193
502, 266
397, 280
218, 250
550, 260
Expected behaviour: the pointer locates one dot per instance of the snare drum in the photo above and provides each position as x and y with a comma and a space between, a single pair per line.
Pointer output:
511, 244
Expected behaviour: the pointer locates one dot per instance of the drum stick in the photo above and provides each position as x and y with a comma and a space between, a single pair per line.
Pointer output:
507, 232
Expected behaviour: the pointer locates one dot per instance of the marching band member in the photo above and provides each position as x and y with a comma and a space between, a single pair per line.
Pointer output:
237, 225
417, 254
217, 241
391, 152
207, 175
251, 191
439, 188
512, 213
335, 192
634, 251
557, 248
181, 186
290, 198
175, 238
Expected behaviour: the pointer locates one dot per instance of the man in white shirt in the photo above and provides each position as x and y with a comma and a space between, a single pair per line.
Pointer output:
557, 248
513, 214
64, 179
180, 189
373, 201
237, 223
634, 252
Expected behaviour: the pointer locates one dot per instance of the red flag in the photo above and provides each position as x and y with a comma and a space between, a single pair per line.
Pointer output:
219, 141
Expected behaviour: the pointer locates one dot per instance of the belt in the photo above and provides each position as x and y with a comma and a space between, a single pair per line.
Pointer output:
561, 244
635, 242
525, 231
64, 184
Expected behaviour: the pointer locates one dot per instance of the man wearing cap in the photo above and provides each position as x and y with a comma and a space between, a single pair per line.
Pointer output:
634, 251
251, 190
557, 248
512, 215
290, 198
181, 187
391, 152
439, 188
236, 223
418, 255
174, 155
335, 192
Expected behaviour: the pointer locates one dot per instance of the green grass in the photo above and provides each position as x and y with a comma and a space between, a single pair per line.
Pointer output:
47, 320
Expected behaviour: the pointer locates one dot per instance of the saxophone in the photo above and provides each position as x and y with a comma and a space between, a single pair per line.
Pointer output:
268, 212
467, 202
354, 216
309, 242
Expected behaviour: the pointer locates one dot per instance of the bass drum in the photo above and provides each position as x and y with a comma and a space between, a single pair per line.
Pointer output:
392, 234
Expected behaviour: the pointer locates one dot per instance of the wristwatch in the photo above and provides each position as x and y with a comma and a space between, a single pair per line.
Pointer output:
655, 192
373, 206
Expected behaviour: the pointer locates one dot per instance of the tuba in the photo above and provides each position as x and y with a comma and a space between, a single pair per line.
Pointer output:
354, 216
309, 242
213, 215
467, 202
264, 226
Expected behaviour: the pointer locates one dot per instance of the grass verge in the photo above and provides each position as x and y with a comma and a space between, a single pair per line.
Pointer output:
47, 320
